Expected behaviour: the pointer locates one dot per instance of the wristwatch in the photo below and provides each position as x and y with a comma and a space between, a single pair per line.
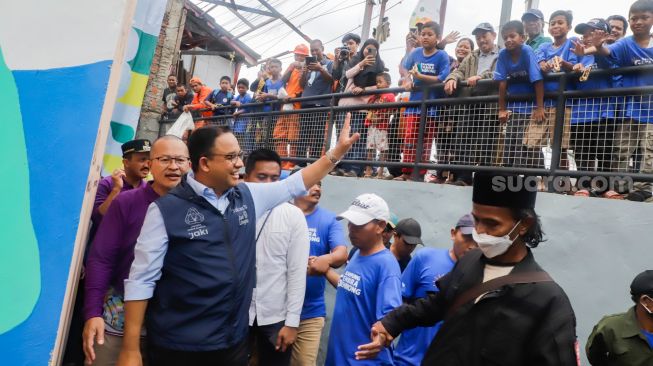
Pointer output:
332, 159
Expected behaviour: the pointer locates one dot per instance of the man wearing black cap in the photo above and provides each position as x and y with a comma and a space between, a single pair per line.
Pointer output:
626, 338
533, 20
408, 233
498, 305
135, 157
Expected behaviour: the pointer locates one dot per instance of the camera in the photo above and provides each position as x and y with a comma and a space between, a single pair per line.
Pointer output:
343, 53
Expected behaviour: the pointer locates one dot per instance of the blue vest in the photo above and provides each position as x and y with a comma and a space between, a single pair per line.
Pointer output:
202, 299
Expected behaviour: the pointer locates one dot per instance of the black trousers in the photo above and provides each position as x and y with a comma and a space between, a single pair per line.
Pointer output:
475, 138
263, 338
234, 356
312, 127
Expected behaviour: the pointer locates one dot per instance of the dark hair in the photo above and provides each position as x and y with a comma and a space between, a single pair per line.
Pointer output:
243, 81
386, 77
260, 155
534, 236
565, 13
354, 37
471, 43
619, 18
173, 75
515, 25
201, 142
274, 61
225, 78
182, 86
317, 41
435, 27
641, 6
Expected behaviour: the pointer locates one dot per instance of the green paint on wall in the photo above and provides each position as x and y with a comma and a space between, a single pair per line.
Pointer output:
20, 273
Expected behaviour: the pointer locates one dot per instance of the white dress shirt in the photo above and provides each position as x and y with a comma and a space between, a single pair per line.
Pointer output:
281, 259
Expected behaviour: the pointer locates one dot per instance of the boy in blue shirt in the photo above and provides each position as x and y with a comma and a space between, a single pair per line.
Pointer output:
426, 65
636, 129
553, 57
517, 61
244, 129
220, 97
592, 118
369, 288
426, 267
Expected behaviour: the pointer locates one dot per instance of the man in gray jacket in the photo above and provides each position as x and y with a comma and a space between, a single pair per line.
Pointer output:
476, 128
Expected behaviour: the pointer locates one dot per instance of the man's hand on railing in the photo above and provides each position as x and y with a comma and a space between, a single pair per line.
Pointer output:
538, 114
504, 115
357, 90
545, 66
473, 80
450, 86
186, 108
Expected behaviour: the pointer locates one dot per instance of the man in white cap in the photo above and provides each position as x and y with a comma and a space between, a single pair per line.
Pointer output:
369, 288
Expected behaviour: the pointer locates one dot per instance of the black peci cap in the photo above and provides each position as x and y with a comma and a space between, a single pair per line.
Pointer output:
512, 191
136, 146
642, 284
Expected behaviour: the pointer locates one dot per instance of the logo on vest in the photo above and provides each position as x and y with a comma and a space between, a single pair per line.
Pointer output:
193, 217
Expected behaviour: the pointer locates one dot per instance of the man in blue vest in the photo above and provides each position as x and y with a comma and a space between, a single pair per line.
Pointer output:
194, 261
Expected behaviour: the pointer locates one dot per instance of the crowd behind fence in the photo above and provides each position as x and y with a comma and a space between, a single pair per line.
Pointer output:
460, 135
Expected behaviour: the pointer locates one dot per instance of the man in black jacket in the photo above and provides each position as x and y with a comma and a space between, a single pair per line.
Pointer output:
520, 316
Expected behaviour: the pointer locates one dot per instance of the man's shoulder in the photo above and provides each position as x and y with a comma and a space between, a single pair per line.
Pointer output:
430, 252
612, 320
287, 209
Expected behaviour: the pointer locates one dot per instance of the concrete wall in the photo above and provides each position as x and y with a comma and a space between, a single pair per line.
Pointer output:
594, 247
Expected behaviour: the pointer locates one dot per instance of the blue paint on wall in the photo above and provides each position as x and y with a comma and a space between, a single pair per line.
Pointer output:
61, 112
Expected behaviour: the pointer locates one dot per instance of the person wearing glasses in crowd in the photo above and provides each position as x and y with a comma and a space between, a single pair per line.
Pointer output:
112, 251
194, 267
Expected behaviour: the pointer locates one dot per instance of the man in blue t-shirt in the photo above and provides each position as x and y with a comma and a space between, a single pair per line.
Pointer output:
244, 129
517, 61
636, 129
328, 249
369, 288
426, 267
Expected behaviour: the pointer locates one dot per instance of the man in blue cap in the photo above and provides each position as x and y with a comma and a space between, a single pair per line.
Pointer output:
498, 305
533, 20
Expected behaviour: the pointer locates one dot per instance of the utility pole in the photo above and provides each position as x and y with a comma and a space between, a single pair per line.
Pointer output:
532, 4
367, 20
506, 9
381, 14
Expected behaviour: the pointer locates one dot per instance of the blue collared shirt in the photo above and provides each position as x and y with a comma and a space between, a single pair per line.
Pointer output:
152, 242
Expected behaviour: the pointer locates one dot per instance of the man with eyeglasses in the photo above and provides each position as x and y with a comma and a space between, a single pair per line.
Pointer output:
112, 251
194, 267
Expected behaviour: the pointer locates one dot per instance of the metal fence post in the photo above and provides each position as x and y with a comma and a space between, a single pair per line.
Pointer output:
269, 128
556, 152
420, 139
330, 123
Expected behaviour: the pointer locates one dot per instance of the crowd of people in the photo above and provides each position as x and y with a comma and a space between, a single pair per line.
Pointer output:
205, 266
605, 134
201, 266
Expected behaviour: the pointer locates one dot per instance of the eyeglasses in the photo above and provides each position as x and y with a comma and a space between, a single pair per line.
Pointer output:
233, 158
167, 160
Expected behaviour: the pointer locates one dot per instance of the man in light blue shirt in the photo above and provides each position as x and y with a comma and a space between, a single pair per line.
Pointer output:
194, 267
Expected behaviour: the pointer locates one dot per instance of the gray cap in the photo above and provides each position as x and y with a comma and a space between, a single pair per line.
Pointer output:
465, 224
533, 12
483, 27
410, 231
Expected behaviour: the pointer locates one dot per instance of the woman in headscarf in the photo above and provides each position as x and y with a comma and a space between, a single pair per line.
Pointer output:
360, 77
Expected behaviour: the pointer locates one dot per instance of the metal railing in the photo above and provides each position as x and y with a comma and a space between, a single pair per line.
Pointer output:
462, 134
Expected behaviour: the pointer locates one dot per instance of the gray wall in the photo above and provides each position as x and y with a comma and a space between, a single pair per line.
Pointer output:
594, 247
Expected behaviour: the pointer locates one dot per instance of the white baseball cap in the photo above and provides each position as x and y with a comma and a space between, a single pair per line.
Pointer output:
365, 208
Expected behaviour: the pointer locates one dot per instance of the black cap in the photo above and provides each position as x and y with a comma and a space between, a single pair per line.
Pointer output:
410, 231
533, 12
512, 191
136, 146
642, 284
596, 23
483, 27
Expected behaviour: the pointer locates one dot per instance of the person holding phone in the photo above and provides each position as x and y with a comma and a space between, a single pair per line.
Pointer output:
367, 64
316, 80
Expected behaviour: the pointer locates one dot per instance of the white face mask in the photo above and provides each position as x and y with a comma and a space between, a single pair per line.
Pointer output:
493, 246
645, 308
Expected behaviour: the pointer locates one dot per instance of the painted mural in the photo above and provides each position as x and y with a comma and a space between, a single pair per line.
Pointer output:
54, 76
136, 71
